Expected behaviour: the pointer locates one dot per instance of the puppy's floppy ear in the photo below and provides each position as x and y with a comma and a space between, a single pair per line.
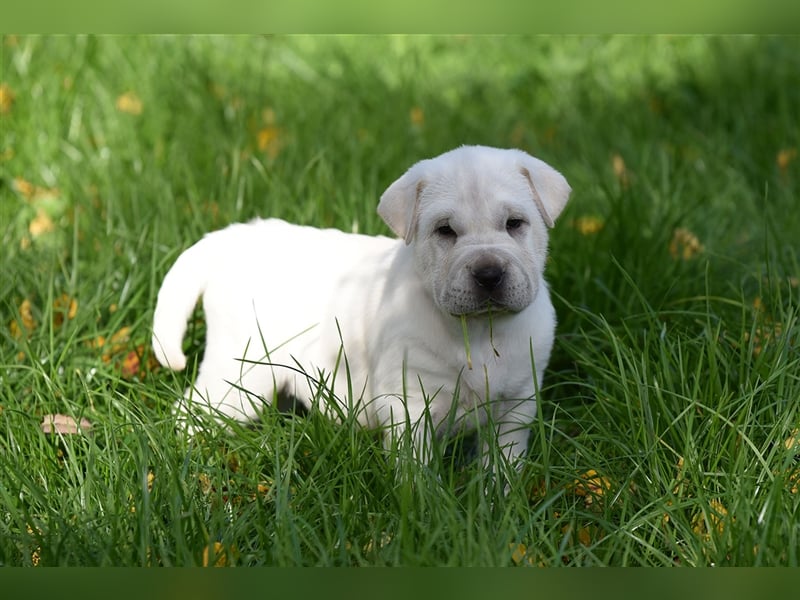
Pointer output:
549, 187
399, 204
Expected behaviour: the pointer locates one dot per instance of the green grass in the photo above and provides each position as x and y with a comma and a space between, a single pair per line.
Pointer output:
676, 380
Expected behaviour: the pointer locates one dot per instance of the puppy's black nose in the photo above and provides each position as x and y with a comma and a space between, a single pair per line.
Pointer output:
488, 276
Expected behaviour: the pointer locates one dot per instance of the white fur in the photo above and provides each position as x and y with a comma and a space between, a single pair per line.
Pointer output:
379, 320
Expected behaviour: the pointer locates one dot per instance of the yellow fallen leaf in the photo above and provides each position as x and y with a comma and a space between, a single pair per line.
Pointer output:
792, 443
36, 554
270, 140
584, 537
64, 307
120, 338
785, 157
65, 424
588, 225
794, 481
41, 224
619, 168
97, 342
26, 315
33, 192
716, 517
6, 98
220, 553
129, 103
684, 244
26, 188
112, 346
386, 538
417, 116
205, 484
591, 484
130, 365
518, 552
665, 518
680, 480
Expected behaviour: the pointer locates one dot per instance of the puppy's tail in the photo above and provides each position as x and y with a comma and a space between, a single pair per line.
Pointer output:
183, 285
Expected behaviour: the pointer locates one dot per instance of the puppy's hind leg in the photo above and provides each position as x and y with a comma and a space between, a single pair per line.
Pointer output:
227, 389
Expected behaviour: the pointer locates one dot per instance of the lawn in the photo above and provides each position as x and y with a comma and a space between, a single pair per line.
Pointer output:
668, 431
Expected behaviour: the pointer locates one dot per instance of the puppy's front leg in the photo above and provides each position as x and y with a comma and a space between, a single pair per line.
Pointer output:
409, 427
512, 426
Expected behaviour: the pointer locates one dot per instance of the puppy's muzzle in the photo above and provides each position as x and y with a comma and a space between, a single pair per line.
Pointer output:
493, 282
489, 276
490, 287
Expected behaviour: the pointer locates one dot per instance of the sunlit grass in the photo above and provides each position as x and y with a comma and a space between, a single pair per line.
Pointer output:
666, 424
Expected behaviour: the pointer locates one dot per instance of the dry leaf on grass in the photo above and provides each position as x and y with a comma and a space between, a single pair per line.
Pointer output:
130, 364
620, 169
785, 157
6, 98
587, 225
792, 443
65, 424
386, 539
222, 556
129, 103
32, 192
36, 554
25, 319
64, 307
591, 486
714, 518
521, 556
270, 140
518, 552
417, 116
119, 349
41, 224
684, 244
793, 481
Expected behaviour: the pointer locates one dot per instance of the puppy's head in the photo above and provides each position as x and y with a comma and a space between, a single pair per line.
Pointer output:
477, 218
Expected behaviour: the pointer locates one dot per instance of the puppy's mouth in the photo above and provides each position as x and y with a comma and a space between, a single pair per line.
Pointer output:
489, 308
471, 300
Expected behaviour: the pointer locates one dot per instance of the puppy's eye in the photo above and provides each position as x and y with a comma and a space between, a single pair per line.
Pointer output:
514, 224
445, 231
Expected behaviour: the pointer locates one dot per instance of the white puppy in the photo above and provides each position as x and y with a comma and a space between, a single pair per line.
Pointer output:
383, 322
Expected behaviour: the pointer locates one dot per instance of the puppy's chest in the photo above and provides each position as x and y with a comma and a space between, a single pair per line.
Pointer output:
484, 367
489, 376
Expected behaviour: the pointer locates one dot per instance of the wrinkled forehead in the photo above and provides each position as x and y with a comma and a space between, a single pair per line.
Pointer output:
483, 192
